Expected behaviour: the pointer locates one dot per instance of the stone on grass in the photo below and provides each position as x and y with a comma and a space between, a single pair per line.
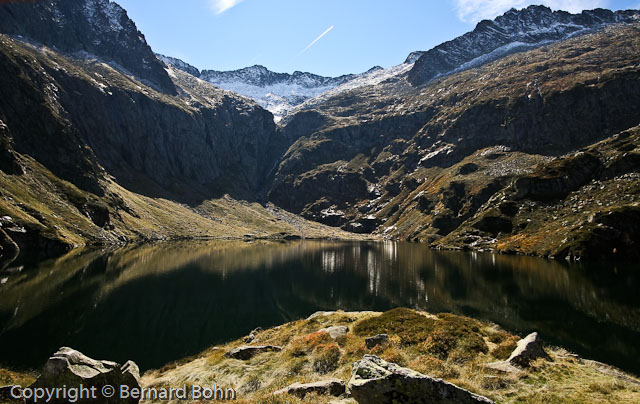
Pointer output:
249, 351
380, 339
336, 332
71, 368
528, 349
374, 380
330, 387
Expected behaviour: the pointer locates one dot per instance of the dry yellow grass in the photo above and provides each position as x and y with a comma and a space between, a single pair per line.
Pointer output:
566, 379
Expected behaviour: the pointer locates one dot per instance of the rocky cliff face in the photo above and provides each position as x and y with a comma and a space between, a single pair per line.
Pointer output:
181, 145
516, 30
418, 163
93, 152
111, 149
99, 28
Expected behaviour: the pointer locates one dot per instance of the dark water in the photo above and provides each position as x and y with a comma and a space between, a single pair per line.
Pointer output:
156, 304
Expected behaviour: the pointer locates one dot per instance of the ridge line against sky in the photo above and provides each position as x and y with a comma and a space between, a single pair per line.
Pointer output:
282, 35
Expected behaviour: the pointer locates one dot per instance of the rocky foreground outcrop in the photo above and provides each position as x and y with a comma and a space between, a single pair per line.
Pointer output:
71, 369
374, 380
427, 359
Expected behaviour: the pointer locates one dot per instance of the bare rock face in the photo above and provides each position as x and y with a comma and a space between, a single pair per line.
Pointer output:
333, 387
71, 368
374, 380
247, 352
97, 27
528, 350
516, 30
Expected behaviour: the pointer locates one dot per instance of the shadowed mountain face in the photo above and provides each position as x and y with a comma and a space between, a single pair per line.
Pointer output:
102, 144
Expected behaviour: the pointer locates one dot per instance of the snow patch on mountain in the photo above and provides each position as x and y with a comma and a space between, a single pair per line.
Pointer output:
278, 93
373, 78
111, 11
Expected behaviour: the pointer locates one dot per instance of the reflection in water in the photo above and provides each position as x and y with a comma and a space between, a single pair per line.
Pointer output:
159, 303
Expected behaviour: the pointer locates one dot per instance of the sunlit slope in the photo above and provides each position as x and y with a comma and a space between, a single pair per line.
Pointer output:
417, 162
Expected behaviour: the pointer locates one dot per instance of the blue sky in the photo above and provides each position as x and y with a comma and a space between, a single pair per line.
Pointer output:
286, 35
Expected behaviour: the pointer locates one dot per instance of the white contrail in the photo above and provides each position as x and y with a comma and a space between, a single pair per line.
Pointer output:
220, 6
317, 39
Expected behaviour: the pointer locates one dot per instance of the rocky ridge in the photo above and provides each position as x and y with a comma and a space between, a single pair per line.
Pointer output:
416, 163
279, 93
93, 28
514, 31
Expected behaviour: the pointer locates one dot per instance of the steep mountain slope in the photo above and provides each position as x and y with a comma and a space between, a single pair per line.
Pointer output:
418, 162
516, 30
92, 154
279, 93
97, 27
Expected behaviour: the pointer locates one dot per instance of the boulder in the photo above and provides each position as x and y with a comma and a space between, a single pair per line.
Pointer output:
528, 350
332, 387
70, 368
374, 380
336, 331
380, 339
247, 352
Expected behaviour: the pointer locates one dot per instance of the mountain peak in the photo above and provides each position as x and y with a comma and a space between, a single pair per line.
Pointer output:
98, 27
513, 31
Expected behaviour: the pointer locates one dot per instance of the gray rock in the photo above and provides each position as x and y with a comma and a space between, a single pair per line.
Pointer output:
528, 350
374, 380
336, 331
333, 387
247, 352
72, 368
380, 339
98, 27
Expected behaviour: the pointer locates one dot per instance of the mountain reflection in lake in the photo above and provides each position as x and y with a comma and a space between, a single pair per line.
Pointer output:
158, 303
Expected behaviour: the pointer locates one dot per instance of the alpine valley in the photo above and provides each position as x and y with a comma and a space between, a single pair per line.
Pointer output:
151, 209
520, 136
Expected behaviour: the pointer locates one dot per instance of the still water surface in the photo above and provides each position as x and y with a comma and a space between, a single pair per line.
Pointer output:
158, 303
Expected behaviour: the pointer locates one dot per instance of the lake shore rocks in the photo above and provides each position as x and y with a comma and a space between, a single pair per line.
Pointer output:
374, 380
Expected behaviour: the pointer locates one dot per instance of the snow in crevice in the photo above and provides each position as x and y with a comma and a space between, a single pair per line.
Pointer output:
111, 11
